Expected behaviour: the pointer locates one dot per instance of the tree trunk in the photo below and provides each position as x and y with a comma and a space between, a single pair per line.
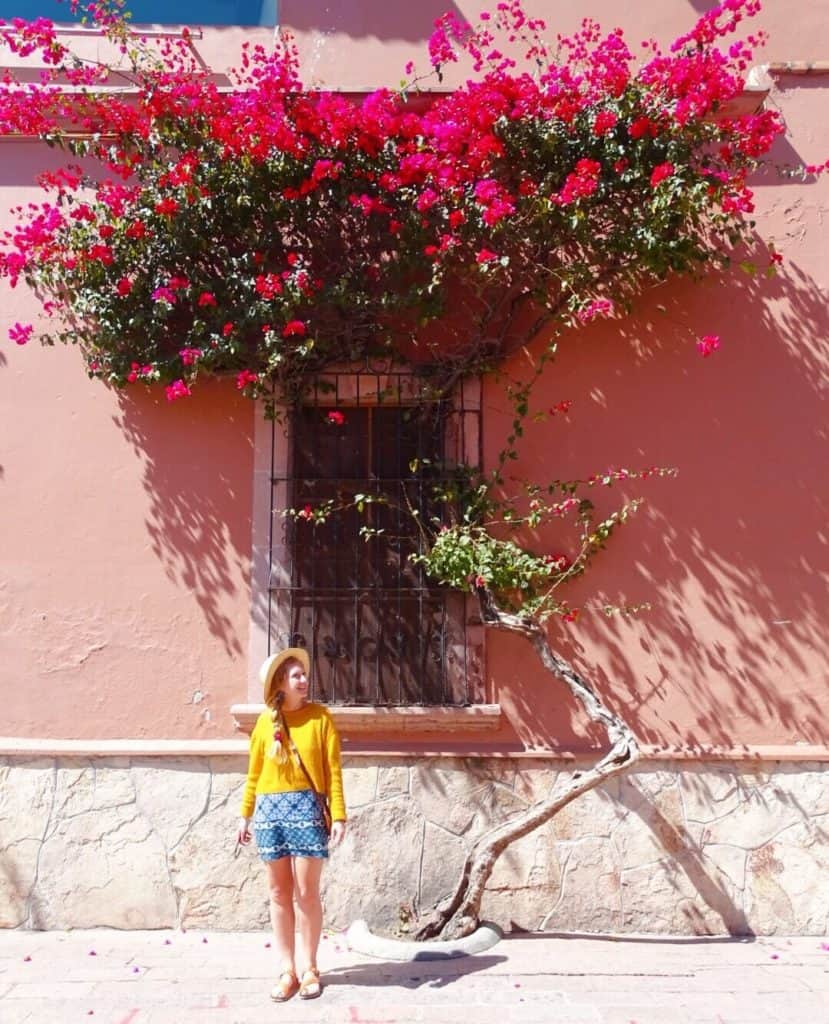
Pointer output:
458, 913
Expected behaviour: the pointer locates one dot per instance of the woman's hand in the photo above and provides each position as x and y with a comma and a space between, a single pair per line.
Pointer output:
243, 836
337, 833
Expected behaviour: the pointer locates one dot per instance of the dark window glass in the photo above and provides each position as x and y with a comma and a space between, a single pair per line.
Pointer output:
377, 629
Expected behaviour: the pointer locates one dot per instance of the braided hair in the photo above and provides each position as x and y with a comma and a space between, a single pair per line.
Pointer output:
278, 750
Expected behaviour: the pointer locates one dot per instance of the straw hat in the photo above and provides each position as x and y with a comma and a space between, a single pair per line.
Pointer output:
271, 665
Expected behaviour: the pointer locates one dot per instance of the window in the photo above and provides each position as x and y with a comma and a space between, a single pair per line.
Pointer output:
379, 631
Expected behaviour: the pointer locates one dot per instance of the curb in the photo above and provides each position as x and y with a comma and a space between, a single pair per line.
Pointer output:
361, 940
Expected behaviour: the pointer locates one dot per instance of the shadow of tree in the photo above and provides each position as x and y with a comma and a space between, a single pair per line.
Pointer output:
732, 555
684, 855
434, 972
13, 892
198, 461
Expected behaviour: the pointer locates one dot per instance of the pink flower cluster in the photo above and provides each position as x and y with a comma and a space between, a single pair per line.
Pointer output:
178, 389
581, 183
605, 121
661, 172
20, 333
139, 372
708, 344
494, 199
268, 285
483, 183
165, 295
594, 309
558, 563
190, 356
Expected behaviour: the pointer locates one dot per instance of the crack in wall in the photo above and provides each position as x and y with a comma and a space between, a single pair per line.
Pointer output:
199, 815
419, 888
564, 868
32, 896
179, 894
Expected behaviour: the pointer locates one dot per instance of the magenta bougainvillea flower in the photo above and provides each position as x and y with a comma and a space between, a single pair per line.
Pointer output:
485, 256
178, 389
563, 406
20, 333
661, 172
708, 344
294, 328
522, 180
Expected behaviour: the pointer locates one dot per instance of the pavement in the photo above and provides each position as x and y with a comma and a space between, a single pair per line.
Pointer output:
163, 977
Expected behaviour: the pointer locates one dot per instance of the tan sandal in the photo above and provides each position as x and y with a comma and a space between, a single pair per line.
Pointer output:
285, 987
310, 986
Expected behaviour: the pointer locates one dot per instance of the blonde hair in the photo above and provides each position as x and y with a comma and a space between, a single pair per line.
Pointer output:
278, 750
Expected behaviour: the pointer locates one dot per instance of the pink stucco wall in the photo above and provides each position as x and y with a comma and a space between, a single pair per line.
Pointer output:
125, 547
126, 524
124, 554
732, 554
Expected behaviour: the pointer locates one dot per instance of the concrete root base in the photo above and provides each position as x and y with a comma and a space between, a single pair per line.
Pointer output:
361, 940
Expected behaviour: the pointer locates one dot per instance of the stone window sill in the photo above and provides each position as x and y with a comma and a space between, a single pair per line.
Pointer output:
476, 718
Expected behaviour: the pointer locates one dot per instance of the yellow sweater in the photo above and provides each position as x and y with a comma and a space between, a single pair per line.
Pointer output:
316, 738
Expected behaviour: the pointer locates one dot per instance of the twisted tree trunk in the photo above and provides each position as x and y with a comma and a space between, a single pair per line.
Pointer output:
458, 913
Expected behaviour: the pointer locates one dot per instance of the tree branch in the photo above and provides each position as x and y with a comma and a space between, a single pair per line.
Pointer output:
458, 913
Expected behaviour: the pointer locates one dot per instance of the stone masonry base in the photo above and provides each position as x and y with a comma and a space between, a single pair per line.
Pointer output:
681, 849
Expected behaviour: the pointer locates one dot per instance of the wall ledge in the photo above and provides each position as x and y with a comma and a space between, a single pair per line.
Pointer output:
476, 718
16, 746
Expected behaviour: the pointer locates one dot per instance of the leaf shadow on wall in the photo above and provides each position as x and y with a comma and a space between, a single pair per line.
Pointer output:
16, 892
733, 555
198, 466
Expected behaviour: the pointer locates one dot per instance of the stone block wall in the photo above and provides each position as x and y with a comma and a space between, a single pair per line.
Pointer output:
672, 847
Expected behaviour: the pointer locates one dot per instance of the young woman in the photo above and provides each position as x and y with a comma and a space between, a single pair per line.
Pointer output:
294, 762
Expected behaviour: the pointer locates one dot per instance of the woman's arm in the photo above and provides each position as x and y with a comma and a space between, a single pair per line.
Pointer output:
333, 770
334, 782
255, 761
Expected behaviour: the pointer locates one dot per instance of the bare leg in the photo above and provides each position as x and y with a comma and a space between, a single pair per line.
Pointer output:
307, 873
281, 893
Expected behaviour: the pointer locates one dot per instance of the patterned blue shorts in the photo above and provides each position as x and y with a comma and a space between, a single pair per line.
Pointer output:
289, 825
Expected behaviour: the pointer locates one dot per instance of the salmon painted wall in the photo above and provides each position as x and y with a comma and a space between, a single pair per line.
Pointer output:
733, 554
126, 526
126, 523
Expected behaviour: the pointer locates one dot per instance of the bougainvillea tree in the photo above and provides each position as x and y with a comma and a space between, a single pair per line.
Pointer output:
269, 231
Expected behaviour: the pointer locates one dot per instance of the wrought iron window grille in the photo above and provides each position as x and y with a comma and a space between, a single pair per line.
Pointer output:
379, 632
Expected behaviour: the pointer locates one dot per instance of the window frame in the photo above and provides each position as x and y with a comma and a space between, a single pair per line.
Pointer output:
271, 556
